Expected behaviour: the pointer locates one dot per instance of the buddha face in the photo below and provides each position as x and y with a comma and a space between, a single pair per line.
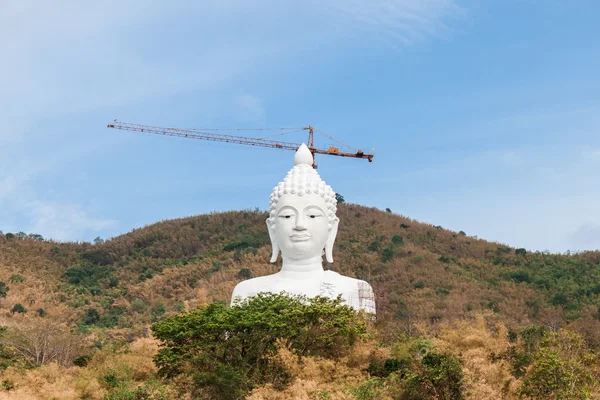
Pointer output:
301, 228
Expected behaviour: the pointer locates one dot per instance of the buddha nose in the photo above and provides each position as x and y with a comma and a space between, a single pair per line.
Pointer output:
300, 223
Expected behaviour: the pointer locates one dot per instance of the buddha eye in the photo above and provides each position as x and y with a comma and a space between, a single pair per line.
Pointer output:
285, 216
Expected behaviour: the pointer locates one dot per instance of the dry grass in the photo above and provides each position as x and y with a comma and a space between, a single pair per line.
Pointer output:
474, 342
51, 381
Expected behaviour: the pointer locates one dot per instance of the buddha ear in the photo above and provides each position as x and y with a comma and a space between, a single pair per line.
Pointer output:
275, 253
331, 240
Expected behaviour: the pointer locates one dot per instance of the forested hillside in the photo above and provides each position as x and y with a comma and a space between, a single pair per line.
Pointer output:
91, 299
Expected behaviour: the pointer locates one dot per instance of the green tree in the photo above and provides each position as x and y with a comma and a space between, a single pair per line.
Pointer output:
563, 368
228, 351
439, 376
18, 308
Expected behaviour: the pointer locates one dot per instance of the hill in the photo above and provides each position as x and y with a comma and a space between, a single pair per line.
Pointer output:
420, 273
424, 276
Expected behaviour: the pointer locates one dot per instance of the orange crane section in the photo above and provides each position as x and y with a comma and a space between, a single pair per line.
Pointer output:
262, 142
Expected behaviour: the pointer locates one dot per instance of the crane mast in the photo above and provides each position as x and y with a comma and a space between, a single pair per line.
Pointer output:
219, 137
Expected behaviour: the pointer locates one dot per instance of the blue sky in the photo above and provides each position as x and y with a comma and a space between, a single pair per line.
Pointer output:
484, 115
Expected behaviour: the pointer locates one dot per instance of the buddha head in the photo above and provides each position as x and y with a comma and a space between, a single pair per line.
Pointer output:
302, 223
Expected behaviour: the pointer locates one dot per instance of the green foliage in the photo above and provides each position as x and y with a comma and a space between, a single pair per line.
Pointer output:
339, 198
562, 368
397, 239
17, 278
388, 367
92, 316
7, 385
41, 312
146, 273
18, 308
3, 289
520, 276
110, 379
244, 273
439, 376
7, 355
228, 351
82, 361
387, 254
371, 389
419, 285
419, 372
157, 310
521, 252
150, 390
88, 275
373, 246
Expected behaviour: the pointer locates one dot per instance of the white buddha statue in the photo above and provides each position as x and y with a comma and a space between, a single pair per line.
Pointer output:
302, 226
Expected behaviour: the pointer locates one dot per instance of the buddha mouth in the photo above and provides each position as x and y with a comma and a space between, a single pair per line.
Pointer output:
300, 237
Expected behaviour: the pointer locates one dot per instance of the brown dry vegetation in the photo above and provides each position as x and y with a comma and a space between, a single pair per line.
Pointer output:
464, 293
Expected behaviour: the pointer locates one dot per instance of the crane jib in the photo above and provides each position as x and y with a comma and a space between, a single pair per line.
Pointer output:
219, 137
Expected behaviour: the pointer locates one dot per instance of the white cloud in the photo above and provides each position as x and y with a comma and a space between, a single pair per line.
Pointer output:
63, 221
250, 109
586, 236
400, 21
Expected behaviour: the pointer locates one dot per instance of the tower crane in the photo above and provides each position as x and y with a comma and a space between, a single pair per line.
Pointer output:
215, 136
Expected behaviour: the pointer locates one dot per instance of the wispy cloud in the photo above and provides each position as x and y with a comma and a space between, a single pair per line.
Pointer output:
586, 236
250, 109
399, 22
63, 221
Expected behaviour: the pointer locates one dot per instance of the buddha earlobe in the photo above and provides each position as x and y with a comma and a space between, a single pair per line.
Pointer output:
275, 253
331, 240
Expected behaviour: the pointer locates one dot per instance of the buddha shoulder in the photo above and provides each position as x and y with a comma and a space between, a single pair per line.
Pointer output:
347, 282
251, 287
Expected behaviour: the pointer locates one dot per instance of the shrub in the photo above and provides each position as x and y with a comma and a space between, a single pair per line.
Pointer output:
88, 275
562, 368
138, 305
18, 308
228, 351
17, 278
82, 361
520, 276
419, 285
397, 239
388, 367
244, 273
438, 376
387, 254
3, 289
443, 291
92, 316
520, 252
